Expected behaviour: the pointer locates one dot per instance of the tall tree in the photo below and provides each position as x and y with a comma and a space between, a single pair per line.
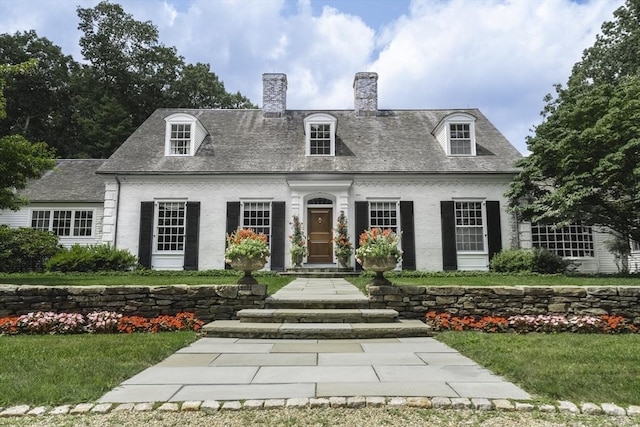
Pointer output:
20, 160
584, 162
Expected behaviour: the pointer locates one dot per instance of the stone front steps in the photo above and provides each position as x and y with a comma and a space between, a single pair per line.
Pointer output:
320, 315
317, 309
238, 329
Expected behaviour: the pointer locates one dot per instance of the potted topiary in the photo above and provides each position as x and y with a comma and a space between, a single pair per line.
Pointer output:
298, 243
247, 251
343, 247
379, 252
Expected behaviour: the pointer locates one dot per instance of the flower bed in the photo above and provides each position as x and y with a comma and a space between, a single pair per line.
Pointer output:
524, 324
97, 322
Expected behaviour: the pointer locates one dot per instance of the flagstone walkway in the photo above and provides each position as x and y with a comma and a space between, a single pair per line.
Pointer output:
239, 369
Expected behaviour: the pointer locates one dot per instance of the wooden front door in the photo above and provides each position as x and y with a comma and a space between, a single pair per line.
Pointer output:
320, 235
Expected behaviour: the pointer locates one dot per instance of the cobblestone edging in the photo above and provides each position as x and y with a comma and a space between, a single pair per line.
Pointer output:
413, 302
211, 406
207, 302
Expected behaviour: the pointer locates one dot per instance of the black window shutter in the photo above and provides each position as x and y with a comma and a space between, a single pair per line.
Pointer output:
145, 241
278, 233
408, 235
233, 221
361, 224
494, 230
449, 252
192, 235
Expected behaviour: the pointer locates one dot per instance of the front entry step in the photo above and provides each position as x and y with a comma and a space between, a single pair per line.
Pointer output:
238, 329
318, 302
318, 315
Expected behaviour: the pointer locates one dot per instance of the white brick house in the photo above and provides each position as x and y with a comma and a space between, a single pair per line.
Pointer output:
185, 178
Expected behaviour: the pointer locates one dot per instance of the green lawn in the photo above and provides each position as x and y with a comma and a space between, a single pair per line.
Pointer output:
494, 279
59, 369
145, 278
575, 367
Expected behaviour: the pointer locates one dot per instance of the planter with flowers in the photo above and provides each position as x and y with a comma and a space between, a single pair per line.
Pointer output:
298, 243
342, 245
379, 252
247, 251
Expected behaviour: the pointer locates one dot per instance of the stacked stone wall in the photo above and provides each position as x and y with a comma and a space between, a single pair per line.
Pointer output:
208, 302
413, 302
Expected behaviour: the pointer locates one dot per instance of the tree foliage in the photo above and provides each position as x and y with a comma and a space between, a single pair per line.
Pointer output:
89, 109
583, 166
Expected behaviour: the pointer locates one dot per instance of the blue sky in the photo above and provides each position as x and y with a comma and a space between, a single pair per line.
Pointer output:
501, 56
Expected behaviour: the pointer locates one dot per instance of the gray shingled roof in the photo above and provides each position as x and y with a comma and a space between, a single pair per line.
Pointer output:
71, 180
243, 141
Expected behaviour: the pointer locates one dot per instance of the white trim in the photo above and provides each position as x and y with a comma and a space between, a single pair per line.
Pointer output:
442, 132
197, 133
73, 211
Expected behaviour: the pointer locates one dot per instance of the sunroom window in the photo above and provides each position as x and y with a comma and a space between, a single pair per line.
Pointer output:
64, 222
320, 134
573, 241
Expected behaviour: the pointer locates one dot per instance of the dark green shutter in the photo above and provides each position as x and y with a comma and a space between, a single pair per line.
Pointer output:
408, 235
145, 236
449, 252
361, 224
233, 221
278, 233
192, 235
494, 230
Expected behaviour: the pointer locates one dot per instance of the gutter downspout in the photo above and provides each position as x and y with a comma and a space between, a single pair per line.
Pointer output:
115, 222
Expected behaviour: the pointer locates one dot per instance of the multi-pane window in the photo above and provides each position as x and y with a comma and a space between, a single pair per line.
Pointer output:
383, 215
571, 241
460, 138
257, 216
320, 139
180, 139
171, 226
469, 226
64, 223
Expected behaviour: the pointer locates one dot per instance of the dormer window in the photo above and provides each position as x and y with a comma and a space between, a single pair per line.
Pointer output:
456, 134
320, 133
183, 135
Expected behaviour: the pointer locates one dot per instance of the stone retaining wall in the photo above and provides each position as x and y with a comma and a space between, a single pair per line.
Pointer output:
208, 302
414, 301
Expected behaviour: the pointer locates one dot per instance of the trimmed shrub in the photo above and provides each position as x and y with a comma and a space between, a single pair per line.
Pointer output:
92, 258
26, 249
535, 260
513, 261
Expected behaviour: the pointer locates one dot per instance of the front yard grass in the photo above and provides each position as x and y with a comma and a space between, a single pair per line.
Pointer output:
62, 369
142, 278
576, 367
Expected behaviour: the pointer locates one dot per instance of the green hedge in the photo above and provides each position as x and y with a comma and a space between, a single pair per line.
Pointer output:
528, 260
92, 258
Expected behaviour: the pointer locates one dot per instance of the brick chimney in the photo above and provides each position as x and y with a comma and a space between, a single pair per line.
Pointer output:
365, 91
274, 94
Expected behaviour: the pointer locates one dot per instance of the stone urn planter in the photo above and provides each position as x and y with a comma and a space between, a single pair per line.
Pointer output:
247, 265
379, 265
296, 259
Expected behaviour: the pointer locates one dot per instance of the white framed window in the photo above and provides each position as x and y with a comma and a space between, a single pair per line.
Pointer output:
573, 241
183, 135
257, 216
64, 222
384, 214
170, 226
460, 139
180, 139
635, 246
320, 134
456, 133
470, 226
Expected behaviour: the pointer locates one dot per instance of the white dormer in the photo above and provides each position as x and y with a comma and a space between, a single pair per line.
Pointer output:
183, 135
320, 134
456, 134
